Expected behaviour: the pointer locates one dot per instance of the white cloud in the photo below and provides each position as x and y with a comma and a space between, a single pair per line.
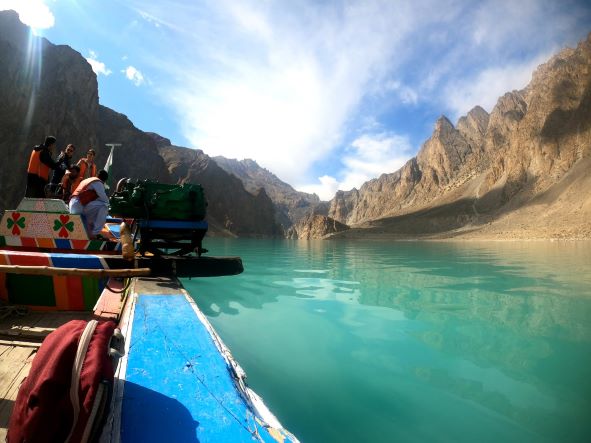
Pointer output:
149, 18
407, 95
326, 189
97, 66
368, 156
281, 83
134, 75
498, 24
34, 13
487, 86
285, 83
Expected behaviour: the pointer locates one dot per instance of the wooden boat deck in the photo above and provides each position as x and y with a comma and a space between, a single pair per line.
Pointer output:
21, 336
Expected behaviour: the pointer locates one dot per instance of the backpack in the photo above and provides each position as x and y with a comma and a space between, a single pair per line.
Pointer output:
67, 394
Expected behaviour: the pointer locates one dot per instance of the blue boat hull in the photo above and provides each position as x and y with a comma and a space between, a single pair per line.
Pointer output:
178, 380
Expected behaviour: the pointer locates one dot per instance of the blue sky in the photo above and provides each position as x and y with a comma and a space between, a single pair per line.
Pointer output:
325, 94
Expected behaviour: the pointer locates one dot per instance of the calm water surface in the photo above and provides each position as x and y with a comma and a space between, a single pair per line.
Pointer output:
411, 342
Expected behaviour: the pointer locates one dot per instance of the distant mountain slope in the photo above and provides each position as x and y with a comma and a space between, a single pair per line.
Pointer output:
500, 174
291, 205
230, 206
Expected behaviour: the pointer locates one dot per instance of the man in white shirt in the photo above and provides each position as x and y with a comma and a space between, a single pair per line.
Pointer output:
90, 200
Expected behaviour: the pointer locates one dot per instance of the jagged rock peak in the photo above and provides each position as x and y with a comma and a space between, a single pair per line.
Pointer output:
443, 125
479, 116
511, 105
250, 163
316, 226
474, 124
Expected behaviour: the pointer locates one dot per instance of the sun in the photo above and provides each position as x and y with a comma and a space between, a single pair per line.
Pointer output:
34, 13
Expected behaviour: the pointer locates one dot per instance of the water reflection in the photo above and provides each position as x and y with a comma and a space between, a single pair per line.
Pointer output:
494, 333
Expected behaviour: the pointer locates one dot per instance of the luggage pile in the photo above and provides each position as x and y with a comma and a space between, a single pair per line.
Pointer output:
150, 200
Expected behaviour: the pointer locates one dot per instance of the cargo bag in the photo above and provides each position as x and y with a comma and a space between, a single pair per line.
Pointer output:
158, 201
67, 394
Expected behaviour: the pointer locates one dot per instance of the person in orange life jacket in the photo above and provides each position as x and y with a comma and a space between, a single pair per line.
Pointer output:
65, 157
90, 200
40, 164
87, 166
68, 181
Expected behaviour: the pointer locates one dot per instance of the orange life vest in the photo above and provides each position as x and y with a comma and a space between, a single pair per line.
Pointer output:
36, 166
84, 194
84, 168
68, 186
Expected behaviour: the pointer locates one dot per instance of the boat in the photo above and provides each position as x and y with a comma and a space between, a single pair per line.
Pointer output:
176, 380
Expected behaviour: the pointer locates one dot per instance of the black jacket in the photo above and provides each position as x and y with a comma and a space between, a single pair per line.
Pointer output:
45, 157
58, 174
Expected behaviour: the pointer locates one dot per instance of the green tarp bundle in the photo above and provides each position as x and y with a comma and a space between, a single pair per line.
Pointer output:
156, 201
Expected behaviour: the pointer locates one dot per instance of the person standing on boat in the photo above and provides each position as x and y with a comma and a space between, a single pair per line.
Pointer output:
87, 166
40, 163
90, 200
64, 158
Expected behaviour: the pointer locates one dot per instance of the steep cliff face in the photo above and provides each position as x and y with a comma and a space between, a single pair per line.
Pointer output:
231, 209
45, 90
534, 143
315, 226
138, 155
290, 205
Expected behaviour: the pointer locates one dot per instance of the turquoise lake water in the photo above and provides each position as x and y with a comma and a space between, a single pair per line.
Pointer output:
411, 341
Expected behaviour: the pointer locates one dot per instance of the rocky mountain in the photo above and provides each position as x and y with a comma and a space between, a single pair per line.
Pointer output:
138, 155
315, 226
291, 205
522, 171
231, 208
56, 93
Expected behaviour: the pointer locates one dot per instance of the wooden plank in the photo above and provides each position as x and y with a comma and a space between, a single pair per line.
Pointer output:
7, 402
11, 364
4, 348
31, 330
28, 319
26, 344
52, 271
17, 353
109, 305
19, 376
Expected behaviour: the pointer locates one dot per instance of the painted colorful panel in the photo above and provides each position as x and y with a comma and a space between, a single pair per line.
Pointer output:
67, 244
12, 240
47, 243
35, 290
43, 225
42, 204
64, 293
80, 244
